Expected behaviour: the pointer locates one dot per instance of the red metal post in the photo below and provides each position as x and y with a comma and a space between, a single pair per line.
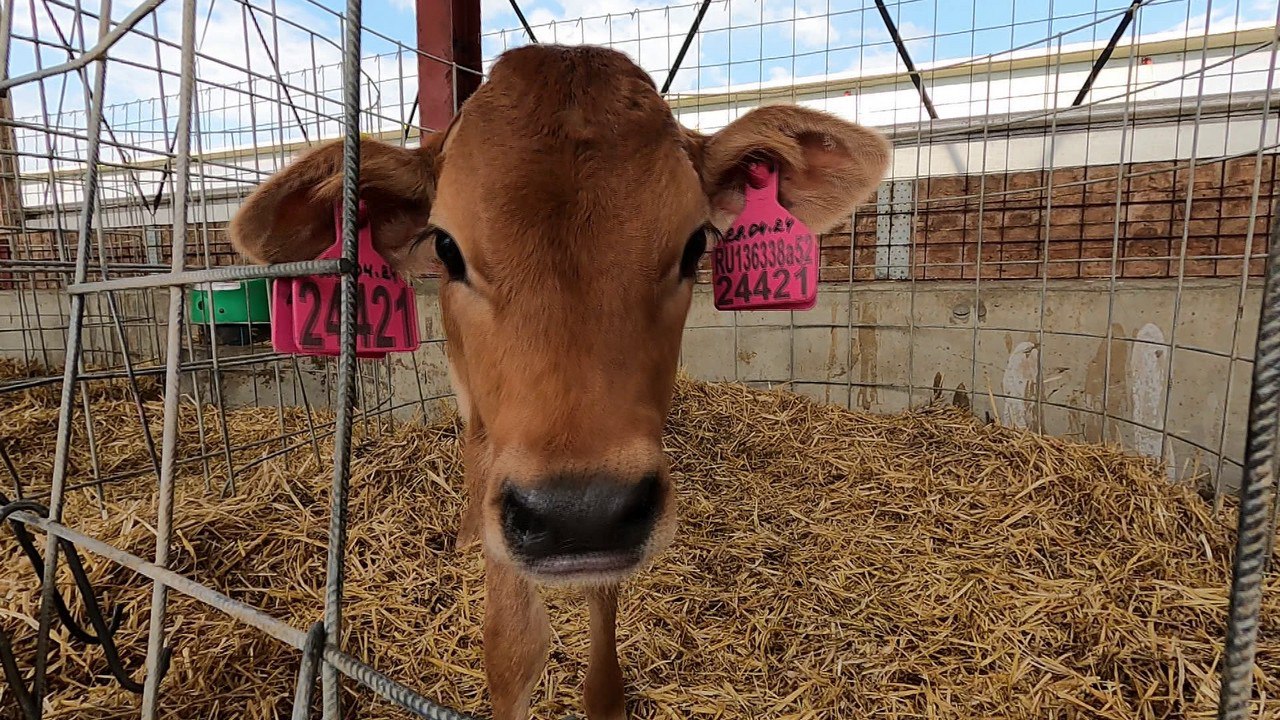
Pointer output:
449, 68
10, 192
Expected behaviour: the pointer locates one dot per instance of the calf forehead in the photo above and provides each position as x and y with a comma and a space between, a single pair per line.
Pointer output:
582, 93
574, 115
567, 156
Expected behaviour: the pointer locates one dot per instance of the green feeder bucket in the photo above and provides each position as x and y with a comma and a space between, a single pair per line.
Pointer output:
231, 303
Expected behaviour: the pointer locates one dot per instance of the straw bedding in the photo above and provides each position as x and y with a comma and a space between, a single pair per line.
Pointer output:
829, 564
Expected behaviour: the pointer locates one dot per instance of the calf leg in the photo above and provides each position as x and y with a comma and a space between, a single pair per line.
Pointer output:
603, 695
516, 636
469, 530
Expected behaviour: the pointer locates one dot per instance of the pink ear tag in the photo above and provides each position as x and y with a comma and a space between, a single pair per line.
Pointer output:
768, 259
386, 314
282, 316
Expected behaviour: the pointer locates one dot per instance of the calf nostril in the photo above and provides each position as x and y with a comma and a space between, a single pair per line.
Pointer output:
643, 503
519, 518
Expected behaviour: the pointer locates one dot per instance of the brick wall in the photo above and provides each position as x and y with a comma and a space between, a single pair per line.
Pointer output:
120, 246
1075, 209
1072, 212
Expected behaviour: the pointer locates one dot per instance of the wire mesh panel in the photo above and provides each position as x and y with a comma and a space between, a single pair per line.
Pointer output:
1157, 184
130, 137
1119, 152
1072, 240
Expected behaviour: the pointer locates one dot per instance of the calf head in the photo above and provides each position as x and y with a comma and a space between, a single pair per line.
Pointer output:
566, 211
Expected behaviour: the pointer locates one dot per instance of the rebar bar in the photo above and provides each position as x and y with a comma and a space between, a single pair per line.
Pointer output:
112, 164
72, 365
247, 614
97, 52
6, 37
176, 278
173, 359
330, 687
308, 668
1257, 498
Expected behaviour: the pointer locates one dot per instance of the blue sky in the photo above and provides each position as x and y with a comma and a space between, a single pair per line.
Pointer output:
742, 41
745, 41
753, 40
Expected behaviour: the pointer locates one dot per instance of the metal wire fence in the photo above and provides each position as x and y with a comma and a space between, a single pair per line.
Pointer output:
117, 208
1072, 239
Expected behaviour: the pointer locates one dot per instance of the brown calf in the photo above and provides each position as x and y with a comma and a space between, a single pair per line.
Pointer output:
567, 210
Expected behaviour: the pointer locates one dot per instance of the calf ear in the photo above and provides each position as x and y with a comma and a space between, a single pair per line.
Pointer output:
290, 216
827, 165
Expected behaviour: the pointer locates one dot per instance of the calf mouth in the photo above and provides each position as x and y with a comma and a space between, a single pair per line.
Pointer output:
584, 568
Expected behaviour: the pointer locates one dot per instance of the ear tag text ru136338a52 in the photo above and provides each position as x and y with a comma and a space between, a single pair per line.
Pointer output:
768, 259
306, 312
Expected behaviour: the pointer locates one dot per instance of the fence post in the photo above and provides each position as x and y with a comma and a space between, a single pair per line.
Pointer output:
448, 39
10, 197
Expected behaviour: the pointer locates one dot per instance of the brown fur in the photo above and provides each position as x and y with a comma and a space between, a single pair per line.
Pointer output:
571, 190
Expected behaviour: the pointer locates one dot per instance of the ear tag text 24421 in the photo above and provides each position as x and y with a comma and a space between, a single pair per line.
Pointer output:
306, 312
768, 259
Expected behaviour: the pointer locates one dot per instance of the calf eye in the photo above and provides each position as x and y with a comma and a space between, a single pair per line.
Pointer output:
693, 251
450, 256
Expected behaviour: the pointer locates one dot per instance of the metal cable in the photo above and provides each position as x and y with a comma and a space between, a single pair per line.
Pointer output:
28, 545
13, 676
105, 630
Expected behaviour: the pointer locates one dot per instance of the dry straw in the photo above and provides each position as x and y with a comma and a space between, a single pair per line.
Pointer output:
829, 564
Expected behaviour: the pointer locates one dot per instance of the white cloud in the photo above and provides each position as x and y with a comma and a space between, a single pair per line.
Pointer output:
241, 74
490, 10
230, 50
652, 32
233, 56
1227, 19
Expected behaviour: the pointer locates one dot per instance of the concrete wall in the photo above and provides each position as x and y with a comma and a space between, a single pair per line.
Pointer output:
1030, 354
883, 346
405, 385
33, 326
